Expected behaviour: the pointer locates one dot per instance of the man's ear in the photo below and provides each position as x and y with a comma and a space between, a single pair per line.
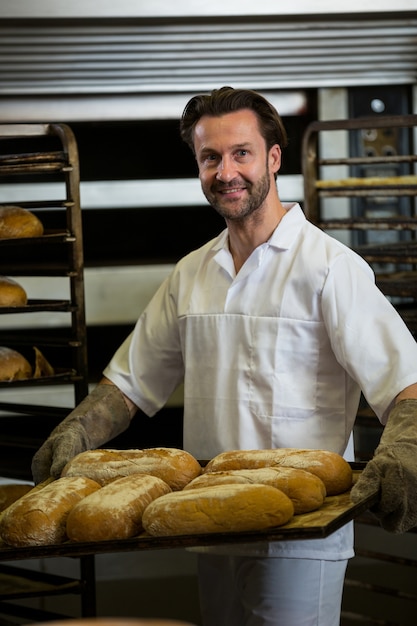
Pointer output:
274, 158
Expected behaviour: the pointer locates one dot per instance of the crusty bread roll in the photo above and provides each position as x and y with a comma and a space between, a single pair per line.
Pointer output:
16, 223
39, 517
11, 293
32, 490
13, 365
226, 508
306, 491
115, 511
11, 492
330, 467
173, 466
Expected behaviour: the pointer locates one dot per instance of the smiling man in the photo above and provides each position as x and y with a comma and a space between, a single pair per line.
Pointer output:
275, 328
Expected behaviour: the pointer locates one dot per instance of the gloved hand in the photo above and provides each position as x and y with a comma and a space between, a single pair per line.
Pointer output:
102, 415
393, 471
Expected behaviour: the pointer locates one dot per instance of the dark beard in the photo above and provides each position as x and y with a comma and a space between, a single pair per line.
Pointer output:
256, 197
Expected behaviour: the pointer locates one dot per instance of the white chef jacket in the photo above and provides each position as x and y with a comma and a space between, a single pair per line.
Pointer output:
274, 356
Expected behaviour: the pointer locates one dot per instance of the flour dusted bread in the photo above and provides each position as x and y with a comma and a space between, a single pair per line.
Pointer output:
226, 508
11, 293
17, 222
175, 467
115, 511
306, 491
330, 467
40, 516
30, 491
101, 465
13, 365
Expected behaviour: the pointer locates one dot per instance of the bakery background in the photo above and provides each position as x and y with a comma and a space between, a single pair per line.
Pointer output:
119, 76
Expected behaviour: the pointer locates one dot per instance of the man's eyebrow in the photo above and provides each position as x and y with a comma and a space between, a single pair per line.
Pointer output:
246, 144
237, 146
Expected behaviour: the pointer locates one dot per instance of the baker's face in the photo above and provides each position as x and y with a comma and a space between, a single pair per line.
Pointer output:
236, 171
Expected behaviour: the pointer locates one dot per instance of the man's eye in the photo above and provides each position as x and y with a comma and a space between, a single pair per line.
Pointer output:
242, 153
209, 158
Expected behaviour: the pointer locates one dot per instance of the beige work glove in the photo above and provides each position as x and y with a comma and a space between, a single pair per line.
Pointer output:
102, 415
393, 471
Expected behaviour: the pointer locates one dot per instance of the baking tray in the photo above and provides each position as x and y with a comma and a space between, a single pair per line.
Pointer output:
332, 515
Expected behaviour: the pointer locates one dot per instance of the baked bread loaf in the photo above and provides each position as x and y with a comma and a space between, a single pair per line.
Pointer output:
32, 490
330, 467
40, 517
16, 223
11, 293
173, 466
115, 511
13, 365
306, 491
11, 492
226, 508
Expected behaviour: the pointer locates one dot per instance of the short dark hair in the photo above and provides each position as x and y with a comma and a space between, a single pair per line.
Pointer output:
228, 100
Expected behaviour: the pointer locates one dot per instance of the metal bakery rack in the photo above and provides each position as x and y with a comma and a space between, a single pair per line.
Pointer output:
369, 199
42, 158
360, 185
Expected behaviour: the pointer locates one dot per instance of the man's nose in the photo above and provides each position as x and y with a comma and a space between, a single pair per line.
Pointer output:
226, 170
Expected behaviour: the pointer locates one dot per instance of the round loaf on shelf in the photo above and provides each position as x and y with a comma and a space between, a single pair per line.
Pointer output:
330, 467
11, 292
226, 508
13, 365
17, 222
